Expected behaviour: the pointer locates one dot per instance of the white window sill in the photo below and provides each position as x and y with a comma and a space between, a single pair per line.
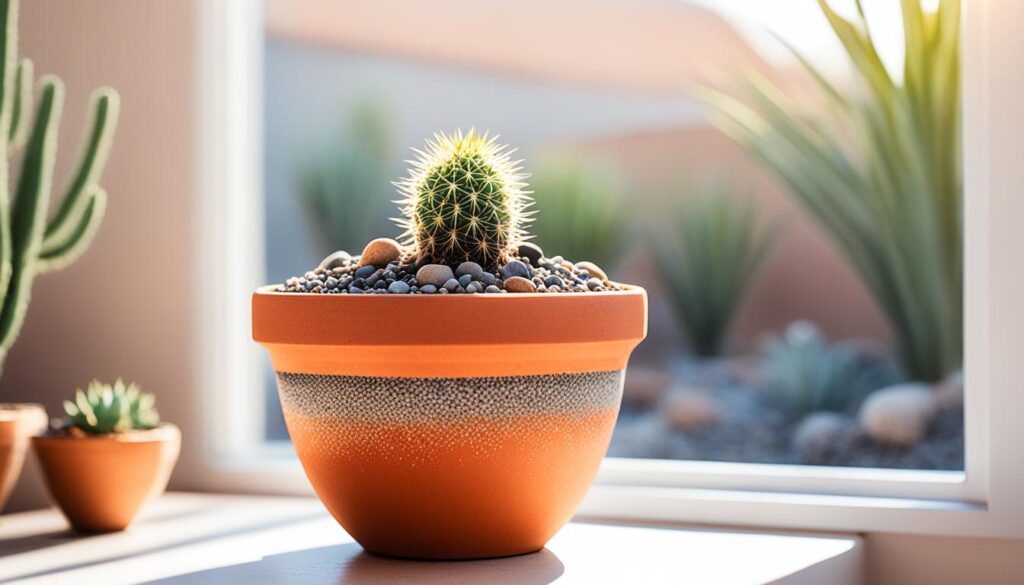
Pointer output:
187, 538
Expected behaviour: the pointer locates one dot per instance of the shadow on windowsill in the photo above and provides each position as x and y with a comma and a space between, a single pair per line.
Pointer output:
349, 564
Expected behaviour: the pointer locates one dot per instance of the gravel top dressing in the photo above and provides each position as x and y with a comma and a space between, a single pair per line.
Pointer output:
382, 270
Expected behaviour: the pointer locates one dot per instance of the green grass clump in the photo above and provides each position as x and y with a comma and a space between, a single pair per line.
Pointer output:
583, 210
342, 192
707, 256
883, 179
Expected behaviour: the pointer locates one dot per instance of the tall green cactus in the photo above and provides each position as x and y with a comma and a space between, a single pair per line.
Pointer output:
29, 243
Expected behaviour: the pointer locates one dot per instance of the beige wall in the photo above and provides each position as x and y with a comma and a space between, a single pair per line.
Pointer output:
122, 310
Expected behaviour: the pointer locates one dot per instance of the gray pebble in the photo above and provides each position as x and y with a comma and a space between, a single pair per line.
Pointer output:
471, 268
398, 288
428, 289
515, 268
475, 287
435, 274
553, 281
593, 284
531, 252
335, 260
488, 278
365, 271
465, 279
451, 285
355, 290
492, 289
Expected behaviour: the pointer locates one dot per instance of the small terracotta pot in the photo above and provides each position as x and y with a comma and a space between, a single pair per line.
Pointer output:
101, 482
455, 426
18, 422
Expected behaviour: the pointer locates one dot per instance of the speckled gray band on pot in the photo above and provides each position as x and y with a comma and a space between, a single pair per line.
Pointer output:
402, 400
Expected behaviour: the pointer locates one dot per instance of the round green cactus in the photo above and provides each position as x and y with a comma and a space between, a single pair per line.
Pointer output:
464, 199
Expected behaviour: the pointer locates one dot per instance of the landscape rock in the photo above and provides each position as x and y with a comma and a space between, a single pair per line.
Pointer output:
899, 415
380, 252
435, 274
821, 434
690, 408
949, 393
644, 386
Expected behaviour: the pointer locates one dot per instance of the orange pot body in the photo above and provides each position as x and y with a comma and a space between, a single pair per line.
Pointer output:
18, 422
450, 426
101, 482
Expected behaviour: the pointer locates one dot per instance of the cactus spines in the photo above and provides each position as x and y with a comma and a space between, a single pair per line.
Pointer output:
29, 244
464, 199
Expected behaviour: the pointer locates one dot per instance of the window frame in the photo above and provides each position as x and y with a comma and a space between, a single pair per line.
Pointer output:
981, 500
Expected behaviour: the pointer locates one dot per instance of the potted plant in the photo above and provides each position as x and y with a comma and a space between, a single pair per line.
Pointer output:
108, 457
452, 395
31, 245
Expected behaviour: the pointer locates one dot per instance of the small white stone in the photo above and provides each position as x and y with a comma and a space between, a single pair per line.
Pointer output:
949, 393
899, 415
593, 269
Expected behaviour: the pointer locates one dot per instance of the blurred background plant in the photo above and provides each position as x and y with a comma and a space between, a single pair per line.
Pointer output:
890, 198
809, 374
707, 255
346, 192
581, 209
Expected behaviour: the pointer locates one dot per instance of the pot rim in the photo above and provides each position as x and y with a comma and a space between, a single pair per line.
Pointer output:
284, 318
166, 432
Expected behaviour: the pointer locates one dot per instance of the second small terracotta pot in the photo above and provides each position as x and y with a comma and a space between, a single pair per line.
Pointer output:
101, 482
18, 422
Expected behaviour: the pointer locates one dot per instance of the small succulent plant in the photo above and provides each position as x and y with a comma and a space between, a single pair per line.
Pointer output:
464, 200
111, 408
810, 374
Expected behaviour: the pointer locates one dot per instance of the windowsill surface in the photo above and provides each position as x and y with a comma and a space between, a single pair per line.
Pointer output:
190, 538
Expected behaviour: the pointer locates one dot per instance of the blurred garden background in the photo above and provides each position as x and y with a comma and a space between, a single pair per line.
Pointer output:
783, 178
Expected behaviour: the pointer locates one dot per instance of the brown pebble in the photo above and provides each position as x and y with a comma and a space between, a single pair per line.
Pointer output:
518, 284
593, 270
380, 252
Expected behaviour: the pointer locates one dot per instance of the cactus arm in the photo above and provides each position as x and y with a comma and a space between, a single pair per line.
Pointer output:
28, 212
22, 104
57, 254
8, 57
103, 121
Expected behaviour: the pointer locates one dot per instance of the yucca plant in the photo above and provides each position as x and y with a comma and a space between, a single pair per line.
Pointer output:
111, 408
808, 374
464, 200
887, 186
707, 255
29, 244
583, 207
342, 190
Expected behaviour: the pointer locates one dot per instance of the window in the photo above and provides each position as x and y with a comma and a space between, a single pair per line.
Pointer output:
343, 97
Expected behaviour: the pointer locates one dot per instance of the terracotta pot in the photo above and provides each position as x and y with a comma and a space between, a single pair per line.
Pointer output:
101, 482
18, 422
455, 426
